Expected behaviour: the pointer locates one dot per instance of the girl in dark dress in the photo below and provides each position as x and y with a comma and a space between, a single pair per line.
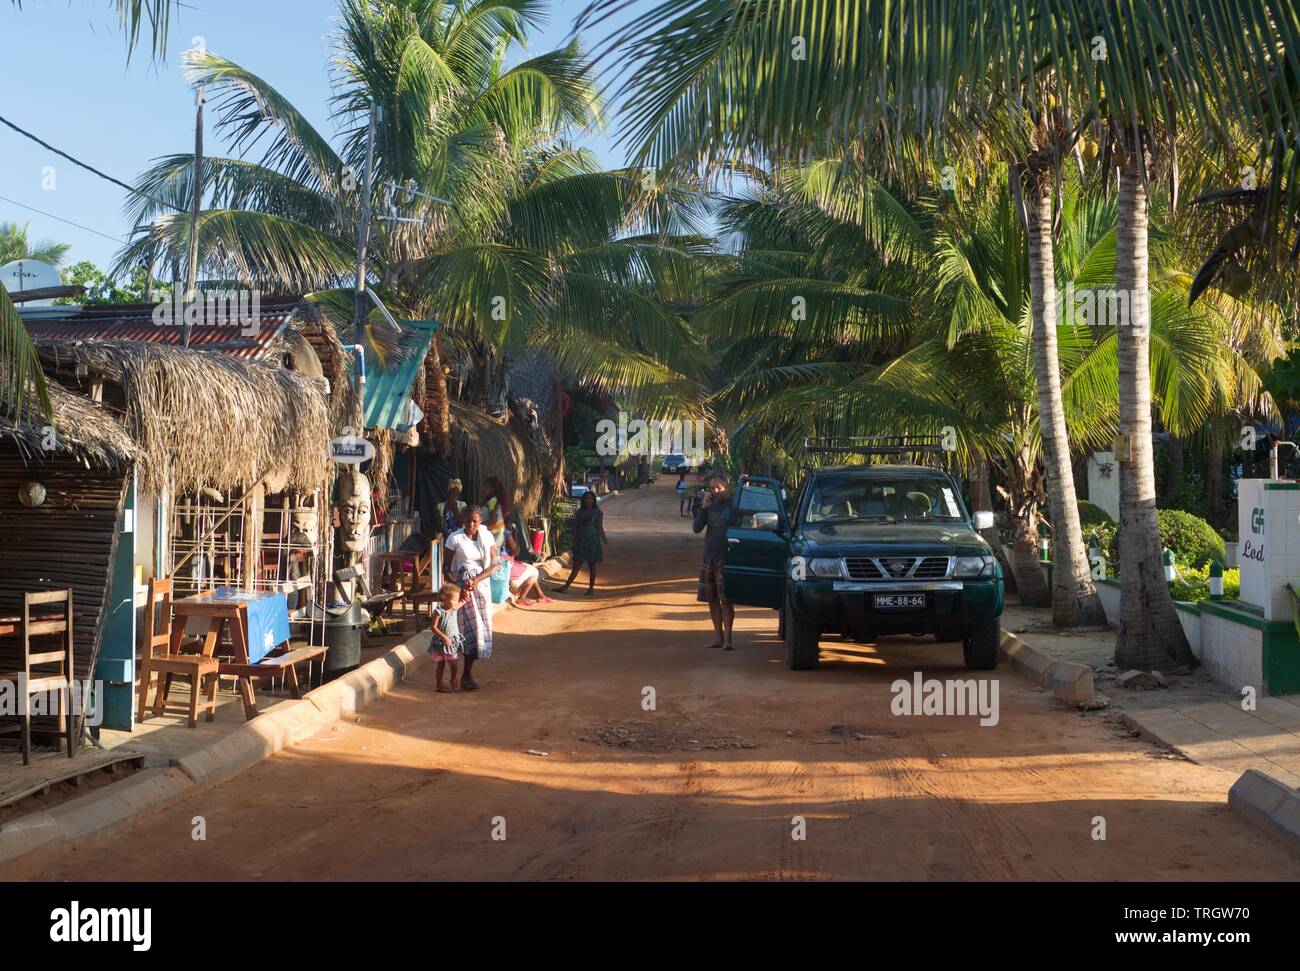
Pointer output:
588, 539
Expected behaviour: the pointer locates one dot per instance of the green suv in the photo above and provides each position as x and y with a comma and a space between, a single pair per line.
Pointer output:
865, 550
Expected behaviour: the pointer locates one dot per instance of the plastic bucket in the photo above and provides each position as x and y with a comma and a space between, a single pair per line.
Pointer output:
501, 581
538, 539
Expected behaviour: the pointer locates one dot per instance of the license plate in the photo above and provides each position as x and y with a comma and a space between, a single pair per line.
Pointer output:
888, 600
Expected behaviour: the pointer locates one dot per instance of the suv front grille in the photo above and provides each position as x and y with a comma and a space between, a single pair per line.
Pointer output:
931, 568
897, 567
861, 568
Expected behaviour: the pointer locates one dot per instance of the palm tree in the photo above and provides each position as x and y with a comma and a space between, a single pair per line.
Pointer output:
945, 337
21, 378
844, 83
701, 65
506, 233
1147, 81
139, 18
14, 245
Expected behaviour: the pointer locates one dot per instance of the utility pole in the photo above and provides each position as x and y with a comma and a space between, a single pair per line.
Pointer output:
196, 200
363, 232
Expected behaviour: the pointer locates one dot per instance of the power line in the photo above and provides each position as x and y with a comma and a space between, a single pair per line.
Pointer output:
23, 205
89, 168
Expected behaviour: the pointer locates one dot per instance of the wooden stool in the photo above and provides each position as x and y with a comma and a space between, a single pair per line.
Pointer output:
201, 669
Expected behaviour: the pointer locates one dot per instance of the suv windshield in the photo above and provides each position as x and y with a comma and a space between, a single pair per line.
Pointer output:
879, 499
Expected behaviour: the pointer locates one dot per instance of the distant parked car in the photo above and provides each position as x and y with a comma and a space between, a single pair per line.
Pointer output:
676, 462
578, 490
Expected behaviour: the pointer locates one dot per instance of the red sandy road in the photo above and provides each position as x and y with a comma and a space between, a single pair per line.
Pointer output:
412, 790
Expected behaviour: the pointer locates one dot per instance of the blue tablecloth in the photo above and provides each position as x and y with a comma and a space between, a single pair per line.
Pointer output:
268, 618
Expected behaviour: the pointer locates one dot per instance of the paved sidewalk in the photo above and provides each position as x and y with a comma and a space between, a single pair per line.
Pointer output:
1222, 735
1195, 716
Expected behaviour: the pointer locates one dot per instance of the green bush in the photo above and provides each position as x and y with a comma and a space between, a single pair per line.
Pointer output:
1193, 584
1193, 540
1091, 515
1105, 534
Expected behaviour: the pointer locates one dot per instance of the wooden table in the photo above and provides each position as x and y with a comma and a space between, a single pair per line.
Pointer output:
233, 614
219, 614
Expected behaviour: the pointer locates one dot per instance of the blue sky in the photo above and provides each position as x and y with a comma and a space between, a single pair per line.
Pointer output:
64, 77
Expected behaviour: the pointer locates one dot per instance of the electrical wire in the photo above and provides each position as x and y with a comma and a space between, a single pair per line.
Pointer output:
23, 205
89, 168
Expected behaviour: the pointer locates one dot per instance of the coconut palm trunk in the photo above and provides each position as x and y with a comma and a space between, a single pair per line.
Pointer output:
437, 406
1149, 635
1074, 597
1023, 497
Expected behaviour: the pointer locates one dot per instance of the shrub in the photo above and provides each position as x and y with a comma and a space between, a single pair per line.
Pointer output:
1091, 515
1193, 584
1193, 540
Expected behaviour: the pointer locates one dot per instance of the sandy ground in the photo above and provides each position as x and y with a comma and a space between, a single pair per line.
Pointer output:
707, 785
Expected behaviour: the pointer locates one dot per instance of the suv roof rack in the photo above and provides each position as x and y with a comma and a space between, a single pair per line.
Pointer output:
919, 446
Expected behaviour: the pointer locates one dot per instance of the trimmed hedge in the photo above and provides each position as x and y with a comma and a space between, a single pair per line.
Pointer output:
1193, 584
1091, 515
1193, 540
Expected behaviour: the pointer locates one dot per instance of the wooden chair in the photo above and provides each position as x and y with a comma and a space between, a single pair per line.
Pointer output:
426, 582
43, 640
201, 669
414, 584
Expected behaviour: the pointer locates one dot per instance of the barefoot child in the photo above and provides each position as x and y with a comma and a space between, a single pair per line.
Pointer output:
447, 638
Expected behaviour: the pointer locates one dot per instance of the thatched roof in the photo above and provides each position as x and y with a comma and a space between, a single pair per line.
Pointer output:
83, 429
481, 447
203, 419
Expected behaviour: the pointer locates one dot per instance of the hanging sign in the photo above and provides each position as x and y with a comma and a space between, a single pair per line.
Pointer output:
351, 450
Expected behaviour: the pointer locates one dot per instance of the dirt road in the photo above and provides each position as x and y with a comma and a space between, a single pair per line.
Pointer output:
707, 785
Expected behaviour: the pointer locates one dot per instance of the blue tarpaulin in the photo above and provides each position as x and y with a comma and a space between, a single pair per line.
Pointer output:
388, 386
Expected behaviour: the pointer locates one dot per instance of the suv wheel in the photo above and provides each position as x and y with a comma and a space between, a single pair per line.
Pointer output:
800, 642
980, 647
780, 622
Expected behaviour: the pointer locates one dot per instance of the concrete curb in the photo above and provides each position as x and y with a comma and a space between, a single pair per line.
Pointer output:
555, 566
1268, 804
1071, 683
34, 841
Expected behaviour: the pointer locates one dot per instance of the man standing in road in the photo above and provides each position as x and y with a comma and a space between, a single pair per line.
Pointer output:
715, 514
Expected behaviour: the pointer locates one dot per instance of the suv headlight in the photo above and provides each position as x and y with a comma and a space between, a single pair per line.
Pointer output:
974, 566
826, 568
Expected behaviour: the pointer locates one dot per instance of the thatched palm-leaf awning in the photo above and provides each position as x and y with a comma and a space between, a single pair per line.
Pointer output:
482, 447
205, 420
81, 428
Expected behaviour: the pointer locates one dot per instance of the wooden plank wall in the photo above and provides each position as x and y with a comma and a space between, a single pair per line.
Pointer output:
69, 541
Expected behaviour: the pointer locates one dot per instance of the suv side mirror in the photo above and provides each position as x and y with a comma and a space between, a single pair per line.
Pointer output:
982, 520
767, 520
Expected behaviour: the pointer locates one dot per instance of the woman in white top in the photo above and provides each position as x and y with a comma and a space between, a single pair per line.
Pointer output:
473, 561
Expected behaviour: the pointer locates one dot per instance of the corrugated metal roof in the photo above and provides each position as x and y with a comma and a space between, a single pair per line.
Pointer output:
134, 322
388, 389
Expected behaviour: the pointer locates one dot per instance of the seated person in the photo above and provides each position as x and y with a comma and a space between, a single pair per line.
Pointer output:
917, 505
524, 577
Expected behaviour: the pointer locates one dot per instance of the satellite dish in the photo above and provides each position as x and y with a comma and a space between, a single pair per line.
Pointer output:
23, 275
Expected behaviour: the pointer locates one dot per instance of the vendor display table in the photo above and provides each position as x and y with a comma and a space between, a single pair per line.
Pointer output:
258, 622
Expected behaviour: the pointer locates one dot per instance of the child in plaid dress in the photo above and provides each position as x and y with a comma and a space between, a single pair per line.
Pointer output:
447, 638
